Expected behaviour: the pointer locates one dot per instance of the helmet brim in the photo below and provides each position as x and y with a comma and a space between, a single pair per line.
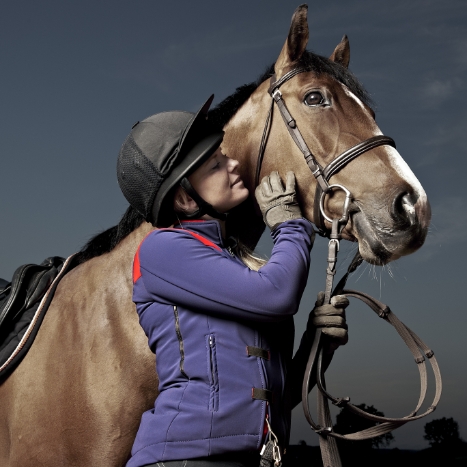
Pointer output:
198, 154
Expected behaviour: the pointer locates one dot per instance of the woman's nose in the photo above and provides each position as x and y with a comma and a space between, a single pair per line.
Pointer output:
232, 164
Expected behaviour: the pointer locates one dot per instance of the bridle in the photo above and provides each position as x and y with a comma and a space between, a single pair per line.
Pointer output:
417, 347
322, 175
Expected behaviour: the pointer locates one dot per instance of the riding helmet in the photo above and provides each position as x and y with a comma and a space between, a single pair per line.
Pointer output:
159, 152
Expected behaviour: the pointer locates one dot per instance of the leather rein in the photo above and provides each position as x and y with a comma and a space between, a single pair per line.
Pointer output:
418, 348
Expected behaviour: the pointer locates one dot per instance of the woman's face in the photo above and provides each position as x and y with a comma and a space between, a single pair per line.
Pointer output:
217, 181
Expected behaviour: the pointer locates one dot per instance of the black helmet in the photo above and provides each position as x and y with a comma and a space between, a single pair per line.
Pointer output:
158, 153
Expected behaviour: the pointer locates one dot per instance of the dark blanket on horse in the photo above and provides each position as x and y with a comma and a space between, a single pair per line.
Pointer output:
23, 304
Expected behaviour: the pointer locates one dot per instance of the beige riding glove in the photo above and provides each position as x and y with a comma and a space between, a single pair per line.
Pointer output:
277, 205
331, 319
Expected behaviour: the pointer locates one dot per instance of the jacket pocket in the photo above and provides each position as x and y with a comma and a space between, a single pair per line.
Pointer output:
212, 373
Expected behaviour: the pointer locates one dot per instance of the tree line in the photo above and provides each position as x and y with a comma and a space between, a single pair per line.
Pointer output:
446, 447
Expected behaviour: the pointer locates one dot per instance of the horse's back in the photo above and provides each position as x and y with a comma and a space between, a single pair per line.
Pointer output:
77, 396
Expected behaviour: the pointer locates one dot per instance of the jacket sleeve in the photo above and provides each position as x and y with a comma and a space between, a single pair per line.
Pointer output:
179, 269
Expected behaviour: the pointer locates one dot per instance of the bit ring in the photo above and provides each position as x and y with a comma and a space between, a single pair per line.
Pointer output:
345, 209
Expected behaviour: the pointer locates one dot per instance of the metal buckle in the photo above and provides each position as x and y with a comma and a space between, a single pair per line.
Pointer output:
334, 240
276, 92
345, 210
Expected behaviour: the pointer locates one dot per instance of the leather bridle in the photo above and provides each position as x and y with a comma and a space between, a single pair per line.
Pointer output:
417, 347
321, 175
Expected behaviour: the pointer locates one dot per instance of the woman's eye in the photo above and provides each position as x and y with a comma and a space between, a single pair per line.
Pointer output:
314, 98
214, 167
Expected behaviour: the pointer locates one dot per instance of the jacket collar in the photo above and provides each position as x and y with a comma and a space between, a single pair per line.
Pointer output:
209, 229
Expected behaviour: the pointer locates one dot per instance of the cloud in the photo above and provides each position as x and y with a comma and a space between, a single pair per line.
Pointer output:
450, 136
436, 91
446, 144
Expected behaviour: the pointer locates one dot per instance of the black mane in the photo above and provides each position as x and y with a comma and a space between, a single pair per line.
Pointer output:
106, 241
225, 110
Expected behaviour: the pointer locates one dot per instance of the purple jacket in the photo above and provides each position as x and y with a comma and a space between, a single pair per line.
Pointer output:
223, 336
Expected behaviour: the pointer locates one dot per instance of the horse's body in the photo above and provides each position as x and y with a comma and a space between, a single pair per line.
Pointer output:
77, 397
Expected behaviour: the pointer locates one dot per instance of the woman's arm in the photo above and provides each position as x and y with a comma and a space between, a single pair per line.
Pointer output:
180, 269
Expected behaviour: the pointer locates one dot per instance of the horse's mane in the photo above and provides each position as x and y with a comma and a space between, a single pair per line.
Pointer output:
225, 110
106, 241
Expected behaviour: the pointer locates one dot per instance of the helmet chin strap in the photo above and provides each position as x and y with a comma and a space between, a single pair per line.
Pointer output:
203, 206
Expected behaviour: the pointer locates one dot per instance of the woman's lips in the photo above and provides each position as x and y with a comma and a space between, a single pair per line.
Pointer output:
238, 180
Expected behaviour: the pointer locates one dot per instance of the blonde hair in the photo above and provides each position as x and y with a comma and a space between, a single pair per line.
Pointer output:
248, 257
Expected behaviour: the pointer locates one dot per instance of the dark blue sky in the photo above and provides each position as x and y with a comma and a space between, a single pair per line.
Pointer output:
76, 75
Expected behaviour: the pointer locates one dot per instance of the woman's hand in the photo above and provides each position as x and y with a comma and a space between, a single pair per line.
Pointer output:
331, 319
277, 205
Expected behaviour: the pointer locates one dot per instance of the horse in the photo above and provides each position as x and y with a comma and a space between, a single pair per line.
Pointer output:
77, 397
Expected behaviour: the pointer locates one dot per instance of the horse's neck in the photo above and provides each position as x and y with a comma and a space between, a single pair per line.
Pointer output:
241, 142
121, 257
112, 273
243, 135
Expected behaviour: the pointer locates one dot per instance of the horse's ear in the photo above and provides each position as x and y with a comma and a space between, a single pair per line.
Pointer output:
341, 54
296, 41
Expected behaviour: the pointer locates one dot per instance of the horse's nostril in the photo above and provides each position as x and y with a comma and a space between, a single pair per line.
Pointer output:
403, 209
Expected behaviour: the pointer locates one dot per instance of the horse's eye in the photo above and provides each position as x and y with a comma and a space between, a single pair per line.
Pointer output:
314, 98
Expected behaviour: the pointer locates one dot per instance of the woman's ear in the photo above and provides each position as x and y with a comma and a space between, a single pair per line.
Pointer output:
184, 202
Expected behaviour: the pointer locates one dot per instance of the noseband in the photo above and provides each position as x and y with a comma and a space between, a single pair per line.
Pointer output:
321, 175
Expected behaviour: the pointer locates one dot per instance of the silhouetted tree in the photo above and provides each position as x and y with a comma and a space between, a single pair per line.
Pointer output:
348, 422
442, 433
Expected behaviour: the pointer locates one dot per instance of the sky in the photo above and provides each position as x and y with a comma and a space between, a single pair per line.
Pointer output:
77, 74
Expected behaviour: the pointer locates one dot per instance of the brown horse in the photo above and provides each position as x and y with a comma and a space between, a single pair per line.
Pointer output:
77, 397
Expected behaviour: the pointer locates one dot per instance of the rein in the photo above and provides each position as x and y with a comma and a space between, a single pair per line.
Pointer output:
418, 348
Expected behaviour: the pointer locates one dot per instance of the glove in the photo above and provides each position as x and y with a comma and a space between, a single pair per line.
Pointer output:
331, 319
277, 205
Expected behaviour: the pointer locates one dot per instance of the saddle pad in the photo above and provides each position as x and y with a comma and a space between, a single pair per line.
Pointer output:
23, 330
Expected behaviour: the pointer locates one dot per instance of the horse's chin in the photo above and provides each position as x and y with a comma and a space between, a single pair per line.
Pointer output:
379, 245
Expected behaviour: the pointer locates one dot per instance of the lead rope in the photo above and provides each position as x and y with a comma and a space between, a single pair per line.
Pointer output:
327, 437
328, 445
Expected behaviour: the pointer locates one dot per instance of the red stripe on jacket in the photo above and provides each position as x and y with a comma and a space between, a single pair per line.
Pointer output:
136, 263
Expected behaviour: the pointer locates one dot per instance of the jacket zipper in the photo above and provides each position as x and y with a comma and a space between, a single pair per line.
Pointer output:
180, 342
214, 384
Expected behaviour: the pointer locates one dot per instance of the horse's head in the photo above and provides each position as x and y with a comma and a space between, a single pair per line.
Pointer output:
389, 211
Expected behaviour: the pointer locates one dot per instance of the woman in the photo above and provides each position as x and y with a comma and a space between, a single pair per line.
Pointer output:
219, 320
